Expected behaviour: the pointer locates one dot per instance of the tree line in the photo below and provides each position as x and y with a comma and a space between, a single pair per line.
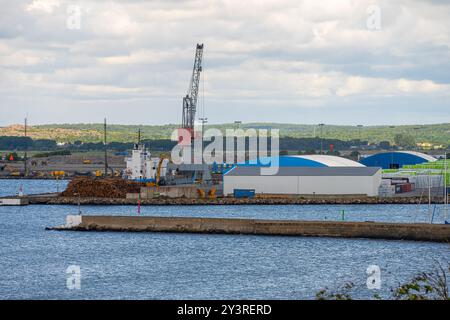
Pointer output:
286, 143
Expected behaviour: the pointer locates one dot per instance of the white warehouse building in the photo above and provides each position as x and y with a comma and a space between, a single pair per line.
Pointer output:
304, 180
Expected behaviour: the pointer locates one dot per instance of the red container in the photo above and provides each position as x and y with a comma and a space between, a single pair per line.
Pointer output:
406, 187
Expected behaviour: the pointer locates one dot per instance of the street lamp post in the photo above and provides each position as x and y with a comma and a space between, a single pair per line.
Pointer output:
237, 124
26, 147
203, 120
359, 131
393, 132
445, 188
416, 129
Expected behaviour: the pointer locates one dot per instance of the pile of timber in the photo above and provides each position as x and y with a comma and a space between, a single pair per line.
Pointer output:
87, 187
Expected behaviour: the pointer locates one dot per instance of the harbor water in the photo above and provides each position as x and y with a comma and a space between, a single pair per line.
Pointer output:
114, 265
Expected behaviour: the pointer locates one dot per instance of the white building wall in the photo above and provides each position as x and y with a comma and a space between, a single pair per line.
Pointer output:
339, 185
307, 185
261, 184
376, 182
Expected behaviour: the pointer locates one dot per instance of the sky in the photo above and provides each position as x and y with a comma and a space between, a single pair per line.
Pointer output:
336, 62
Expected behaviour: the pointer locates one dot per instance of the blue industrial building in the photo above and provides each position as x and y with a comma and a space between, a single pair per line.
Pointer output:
396, 159
312, 161
305, 161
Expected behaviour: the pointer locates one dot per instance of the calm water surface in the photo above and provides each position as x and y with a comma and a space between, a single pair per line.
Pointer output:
33, 261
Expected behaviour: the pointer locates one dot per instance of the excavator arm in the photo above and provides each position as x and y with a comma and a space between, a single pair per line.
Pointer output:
159, 168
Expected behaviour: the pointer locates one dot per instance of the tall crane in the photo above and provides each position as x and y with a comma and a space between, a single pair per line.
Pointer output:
189, 109
190, 100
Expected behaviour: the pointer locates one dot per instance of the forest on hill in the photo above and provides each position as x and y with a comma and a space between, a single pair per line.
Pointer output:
436, 134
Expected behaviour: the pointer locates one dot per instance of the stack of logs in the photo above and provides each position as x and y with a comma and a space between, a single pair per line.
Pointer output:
87, 187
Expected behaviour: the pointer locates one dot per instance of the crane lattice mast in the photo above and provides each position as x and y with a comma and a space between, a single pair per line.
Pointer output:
190, 100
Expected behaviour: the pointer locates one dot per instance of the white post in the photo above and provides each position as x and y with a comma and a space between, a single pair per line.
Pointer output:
73, 221
429, 196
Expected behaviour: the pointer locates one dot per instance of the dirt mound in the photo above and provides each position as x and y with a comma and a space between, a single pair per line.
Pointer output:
101, 188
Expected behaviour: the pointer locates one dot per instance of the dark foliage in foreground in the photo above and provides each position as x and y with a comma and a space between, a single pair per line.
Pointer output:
431, 285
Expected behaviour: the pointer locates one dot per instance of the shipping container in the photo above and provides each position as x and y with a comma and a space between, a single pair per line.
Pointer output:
244, 193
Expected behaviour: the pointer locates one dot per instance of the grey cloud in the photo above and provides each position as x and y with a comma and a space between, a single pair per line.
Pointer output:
264, 60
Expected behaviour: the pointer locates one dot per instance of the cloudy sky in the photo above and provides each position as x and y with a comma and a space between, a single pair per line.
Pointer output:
301, 61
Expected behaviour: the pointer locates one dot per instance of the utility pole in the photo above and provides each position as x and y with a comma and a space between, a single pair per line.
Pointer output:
321, 137
106, 152
26, 147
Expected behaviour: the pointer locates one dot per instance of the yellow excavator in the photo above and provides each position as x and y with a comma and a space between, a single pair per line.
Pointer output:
58, 174
10, 170
162, 157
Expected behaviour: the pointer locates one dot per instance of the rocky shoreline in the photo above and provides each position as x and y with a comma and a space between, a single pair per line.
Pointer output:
4, 177
166, 201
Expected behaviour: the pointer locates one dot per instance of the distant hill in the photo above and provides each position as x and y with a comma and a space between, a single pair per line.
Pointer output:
437, 134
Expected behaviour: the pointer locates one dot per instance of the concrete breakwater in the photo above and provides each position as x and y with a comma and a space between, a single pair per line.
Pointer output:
166, 201
372, 230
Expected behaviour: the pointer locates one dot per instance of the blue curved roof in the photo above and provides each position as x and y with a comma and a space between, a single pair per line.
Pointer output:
284, 161
388, 160
305, 161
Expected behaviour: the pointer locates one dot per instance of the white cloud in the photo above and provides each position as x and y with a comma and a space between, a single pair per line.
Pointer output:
113, 19
47, 6
387, 87
140, 57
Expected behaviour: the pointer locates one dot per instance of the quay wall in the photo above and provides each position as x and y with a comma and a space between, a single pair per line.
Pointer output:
345, 229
